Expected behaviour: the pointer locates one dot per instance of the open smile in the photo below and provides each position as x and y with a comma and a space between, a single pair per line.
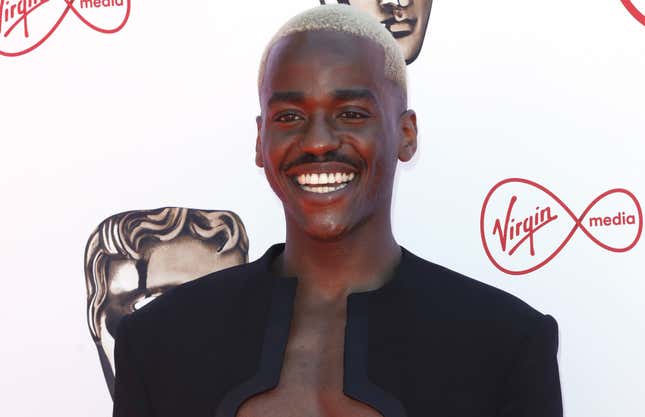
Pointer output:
322, 177
400, 29
325, 182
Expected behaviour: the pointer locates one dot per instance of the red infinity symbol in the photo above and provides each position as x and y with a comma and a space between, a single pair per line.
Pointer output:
629, 5
21, 10
578, 225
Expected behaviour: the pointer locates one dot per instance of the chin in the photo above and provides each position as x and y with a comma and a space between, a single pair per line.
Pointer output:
328, 234
409, 48
326, 229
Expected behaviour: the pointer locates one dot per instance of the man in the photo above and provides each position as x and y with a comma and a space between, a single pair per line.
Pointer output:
339, 320
407, 21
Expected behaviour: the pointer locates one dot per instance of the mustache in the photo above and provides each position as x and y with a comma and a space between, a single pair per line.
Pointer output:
331, 156
392, 20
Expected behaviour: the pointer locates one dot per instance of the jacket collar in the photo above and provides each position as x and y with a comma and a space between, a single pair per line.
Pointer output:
397, 282
277, 320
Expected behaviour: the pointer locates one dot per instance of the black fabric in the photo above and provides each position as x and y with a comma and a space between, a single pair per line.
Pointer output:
274, 345
429, 342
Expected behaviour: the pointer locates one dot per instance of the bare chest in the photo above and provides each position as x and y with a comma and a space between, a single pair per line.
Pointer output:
311, 379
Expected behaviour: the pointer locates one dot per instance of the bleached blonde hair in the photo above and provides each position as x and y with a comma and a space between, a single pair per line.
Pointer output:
346, 19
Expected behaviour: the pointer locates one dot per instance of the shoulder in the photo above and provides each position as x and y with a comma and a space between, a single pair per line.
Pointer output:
440, 291
188, 305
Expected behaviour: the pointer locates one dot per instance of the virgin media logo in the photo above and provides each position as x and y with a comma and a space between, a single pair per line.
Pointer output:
26, 24
524, 226
633, 10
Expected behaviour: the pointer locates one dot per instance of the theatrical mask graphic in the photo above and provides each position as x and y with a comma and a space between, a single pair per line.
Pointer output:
407, 20
133, 257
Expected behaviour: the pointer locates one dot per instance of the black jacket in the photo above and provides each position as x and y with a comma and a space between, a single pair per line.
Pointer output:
430, 342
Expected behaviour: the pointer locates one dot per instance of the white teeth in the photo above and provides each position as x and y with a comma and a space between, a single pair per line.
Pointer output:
322, 190
324, 178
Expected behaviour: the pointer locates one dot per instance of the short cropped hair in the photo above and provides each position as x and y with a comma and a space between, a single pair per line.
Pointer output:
345, 19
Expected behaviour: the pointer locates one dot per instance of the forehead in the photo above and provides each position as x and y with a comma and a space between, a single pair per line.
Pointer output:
319, 61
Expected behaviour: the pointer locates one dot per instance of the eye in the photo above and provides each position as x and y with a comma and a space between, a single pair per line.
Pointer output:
287, 117
353, 115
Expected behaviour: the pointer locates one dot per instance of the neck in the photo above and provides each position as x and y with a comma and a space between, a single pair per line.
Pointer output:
361, 260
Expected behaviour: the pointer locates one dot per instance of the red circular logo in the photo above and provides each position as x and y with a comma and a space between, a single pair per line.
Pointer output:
26, 24
524, 226
629, 5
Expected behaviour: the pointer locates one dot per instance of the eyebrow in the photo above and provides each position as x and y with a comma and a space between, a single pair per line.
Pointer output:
354, 94
340, 95
286, 96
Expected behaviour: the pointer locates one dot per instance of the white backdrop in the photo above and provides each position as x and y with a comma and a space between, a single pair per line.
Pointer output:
162, 114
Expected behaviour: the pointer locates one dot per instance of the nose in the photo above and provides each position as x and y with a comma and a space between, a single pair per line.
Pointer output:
391, 4
395, 7
319, 137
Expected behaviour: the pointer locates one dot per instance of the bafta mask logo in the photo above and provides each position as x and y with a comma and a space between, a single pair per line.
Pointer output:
132, 258
407, 21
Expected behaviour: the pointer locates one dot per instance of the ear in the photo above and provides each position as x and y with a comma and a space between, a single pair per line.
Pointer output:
258, 145
408, 126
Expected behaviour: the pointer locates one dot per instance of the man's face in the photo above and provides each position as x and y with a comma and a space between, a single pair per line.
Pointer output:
330, 131
407, 20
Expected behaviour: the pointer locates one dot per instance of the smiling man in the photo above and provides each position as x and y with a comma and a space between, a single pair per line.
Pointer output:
340, 320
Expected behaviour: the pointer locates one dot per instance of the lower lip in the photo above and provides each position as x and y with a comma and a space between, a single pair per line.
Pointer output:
401, 34
400, 30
